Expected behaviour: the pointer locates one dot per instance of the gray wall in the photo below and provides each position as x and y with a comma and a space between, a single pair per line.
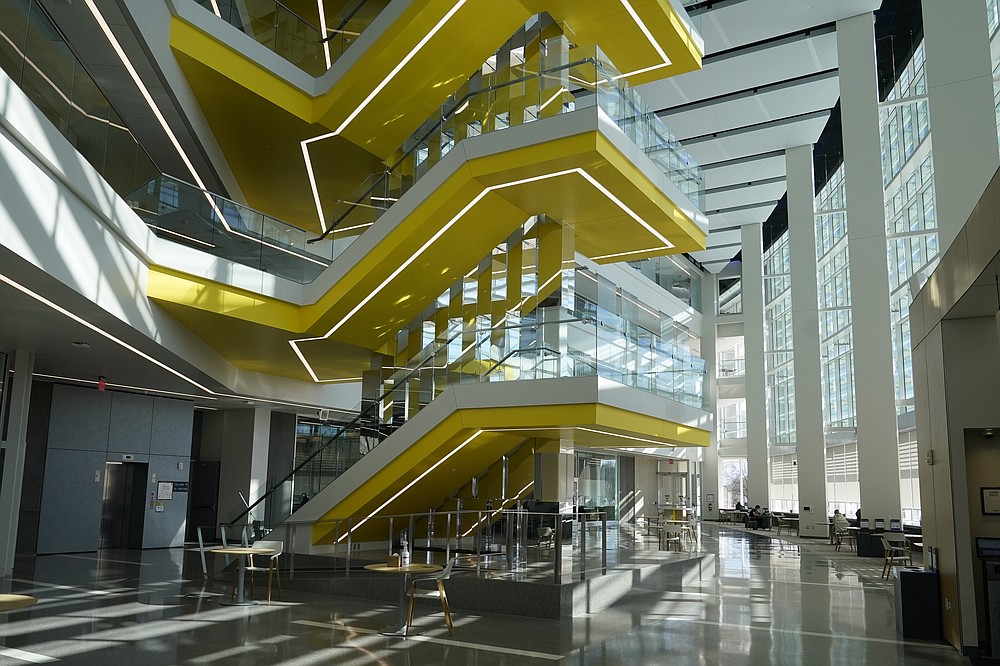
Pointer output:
88, 428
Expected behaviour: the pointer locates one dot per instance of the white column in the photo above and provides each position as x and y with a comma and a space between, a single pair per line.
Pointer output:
963, 120
810, 444
13, 469
873, 378
710, 466
260, 445
753, 339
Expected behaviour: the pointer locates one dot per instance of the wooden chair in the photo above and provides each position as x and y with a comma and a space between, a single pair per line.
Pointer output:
272, 565
671, 535
438, 578
893, 553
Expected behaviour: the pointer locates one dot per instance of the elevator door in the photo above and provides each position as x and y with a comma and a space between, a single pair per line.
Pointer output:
124, 505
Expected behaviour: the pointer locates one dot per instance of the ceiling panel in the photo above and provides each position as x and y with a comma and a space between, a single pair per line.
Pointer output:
801, 131
782, 101
727, 237
738, 22
780, 61
738, 217
745, 170
736, 196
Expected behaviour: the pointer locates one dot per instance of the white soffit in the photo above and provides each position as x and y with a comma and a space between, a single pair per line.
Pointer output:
792, 98
736, 196
730, 237
736, 217
732, 23
764, 138
790, 58
744, 170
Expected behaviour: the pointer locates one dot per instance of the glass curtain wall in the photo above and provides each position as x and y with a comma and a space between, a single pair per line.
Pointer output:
733, 476
780, 378
778, 343
598, 481
993, 25
911, 232
836, 343
784, 488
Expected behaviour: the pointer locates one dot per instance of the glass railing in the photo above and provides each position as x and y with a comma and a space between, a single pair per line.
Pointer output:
291, 36
37, 58
554, 343
183, 213
674, 275
488, 104
732, 429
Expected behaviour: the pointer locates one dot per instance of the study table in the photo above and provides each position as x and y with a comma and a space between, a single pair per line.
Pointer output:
404, 584
242, 552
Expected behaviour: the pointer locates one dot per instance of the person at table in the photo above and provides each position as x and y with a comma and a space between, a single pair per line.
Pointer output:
840, 522
739, 507
753, 517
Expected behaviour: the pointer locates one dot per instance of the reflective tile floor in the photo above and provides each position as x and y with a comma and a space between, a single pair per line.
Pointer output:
772, 602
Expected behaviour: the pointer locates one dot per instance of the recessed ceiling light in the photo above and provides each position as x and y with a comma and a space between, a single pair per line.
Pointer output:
81, 345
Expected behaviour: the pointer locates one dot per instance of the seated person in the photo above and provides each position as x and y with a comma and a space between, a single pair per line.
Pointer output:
753, 517
840, 522
764, 520
739, 507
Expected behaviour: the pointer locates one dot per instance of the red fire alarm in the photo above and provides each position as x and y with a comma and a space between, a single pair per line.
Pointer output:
100, 383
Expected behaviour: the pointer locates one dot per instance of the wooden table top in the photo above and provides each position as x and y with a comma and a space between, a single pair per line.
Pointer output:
383, 567
241, 550
10, 602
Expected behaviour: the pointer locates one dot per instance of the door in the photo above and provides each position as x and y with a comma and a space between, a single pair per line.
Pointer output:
123, 514
203, 498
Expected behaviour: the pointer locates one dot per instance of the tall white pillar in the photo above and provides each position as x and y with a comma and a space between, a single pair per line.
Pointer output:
259, 448
709, 333
13, 469
753, 340
873, 379
810, 444
963, 119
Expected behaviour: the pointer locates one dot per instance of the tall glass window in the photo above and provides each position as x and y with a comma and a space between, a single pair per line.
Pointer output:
733, 477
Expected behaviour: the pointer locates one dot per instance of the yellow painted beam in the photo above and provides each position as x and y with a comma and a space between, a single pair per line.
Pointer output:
568, 179
395, 489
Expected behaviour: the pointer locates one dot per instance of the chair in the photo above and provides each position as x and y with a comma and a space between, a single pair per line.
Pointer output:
893, 553
546, 539
671, 535
439, 578
272, 565
838, 538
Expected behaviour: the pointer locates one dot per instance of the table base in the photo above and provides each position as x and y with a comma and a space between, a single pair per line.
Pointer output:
236, 602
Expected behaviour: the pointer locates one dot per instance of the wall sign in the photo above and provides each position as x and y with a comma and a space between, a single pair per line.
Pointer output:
991, 501
165, 490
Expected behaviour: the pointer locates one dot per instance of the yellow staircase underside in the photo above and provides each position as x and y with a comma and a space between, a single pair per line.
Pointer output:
582, 179
468, 440
372, 105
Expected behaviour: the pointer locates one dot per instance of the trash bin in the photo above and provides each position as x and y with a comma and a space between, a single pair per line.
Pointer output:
918, 603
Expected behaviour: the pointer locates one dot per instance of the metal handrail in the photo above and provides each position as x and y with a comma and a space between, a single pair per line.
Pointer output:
438, 124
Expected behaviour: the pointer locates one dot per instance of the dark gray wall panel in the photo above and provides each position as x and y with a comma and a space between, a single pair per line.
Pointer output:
131, 422
81, 418
166, 528
70, 519
171, 431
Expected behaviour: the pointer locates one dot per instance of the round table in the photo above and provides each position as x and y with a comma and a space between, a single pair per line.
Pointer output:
9, 602
407, 570
242, 552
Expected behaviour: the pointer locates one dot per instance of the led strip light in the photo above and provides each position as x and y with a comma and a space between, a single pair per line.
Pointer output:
440, 232
409, 56
410, 485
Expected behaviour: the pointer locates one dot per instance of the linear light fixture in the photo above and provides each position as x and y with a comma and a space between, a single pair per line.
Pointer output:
410, 484
592, 430
170, 133
624, 254
127, 387
433, 239
212, 395
323, 31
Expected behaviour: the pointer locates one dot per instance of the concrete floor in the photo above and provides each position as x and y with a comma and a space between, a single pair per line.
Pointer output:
773, 601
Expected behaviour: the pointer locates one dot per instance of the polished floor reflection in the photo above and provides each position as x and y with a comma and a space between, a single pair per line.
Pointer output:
773, 601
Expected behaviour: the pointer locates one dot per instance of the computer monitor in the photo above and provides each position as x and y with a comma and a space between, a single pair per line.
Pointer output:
895, 525
988, 548
864, 525
880, 524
